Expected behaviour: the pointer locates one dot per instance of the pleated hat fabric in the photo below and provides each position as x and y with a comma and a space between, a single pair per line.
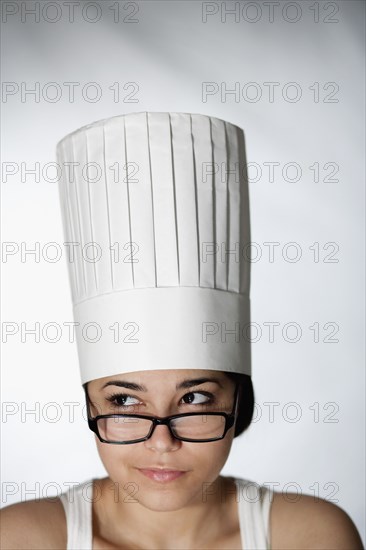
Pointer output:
156, 207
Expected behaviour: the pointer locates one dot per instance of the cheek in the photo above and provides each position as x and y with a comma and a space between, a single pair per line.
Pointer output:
211, 457
115, 457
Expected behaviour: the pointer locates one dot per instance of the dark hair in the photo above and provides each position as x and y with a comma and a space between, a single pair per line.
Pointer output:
246, 401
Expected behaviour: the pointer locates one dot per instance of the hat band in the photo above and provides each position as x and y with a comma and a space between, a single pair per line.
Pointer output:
163, 328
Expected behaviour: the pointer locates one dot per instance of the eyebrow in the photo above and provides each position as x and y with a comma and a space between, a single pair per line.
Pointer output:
187, 383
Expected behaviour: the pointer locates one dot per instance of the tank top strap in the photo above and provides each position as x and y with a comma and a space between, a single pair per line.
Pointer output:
254, 502
77, 502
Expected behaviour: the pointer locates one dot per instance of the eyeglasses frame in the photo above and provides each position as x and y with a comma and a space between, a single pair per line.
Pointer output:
163, 421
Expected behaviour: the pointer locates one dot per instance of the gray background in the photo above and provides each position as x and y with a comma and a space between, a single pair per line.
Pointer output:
315, 440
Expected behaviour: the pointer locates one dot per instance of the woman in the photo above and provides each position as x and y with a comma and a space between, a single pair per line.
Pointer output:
133, 508
171, 189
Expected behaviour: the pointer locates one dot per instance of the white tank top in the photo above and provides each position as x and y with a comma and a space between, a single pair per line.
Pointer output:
254, 502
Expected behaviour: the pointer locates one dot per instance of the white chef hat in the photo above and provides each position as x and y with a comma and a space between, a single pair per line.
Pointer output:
155, 213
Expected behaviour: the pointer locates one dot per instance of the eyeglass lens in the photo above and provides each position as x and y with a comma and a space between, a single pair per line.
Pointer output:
124, 428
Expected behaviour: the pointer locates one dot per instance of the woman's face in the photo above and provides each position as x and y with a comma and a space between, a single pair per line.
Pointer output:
158, 396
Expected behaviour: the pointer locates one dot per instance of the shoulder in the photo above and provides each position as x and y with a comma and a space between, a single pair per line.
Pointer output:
303, 521
37, 524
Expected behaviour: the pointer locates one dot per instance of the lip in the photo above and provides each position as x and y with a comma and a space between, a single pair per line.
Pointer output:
162, 475
160, 469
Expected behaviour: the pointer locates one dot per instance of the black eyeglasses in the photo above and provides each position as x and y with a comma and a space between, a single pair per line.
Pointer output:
195, 427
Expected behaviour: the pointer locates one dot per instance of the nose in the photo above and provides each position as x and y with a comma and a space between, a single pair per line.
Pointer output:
162, 440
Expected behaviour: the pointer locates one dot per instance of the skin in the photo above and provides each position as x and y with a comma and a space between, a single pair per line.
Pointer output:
140, 500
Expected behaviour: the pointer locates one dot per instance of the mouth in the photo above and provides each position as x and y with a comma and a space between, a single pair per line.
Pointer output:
162, 475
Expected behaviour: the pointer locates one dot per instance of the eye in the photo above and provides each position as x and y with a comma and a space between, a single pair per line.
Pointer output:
119, 399
208, 401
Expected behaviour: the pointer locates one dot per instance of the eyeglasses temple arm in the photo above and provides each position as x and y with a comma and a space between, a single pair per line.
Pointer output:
87, 399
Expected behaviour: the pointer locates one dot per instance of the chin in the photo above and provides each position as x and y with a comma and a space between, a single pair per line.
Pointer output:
160, 502
158, 496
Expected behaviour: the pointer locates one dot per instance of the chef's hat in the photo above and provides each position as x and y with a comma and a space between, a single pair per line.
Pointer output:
155, 213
